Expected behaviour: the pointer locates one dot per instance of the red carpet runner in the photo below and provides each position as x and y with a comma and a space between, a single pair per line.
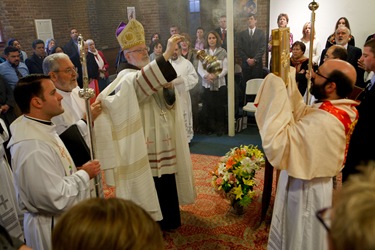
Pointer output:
209, 224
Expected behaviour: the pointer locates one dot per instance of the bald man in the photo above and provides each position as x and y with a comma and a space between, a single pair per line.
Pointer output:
308, 143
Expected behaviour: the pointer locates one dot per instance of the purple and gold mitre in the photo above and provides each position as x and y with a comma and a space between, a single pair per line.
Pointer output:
131, 34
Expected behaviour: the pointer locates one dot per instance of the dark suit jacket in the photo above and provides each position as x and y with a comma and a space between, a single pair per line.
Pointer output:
224, 45
252, 48
71, 50
354, 54
6, 97
35, 64
362, 143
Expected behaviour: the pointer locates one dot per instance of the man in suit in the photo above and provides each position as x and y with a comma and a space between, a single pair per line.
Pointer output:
251, 48
361, 147
342, 35
34, 63
222, 31
71, 49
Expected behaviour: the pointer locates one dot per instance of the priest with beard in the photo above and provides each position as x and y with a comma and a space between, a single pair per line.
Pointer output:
141, 136
309, 144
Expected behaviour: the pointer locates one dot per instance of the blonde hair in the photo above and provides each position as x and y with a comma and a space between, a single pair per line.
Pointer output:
304, 28
353, 223
114, 224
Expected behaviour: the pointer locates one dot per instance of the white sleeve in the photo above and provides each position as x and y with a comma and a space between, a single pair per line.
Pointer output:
41, 182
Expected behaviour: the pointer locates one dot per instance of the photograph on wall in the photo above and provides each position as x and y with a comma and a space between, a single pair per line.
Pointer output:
246, 7
131, 13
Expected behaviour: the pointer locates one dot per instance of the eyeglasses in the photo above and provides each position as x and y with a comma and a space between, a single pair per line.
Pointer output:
139, 51
324, 216
68, 70
327, 78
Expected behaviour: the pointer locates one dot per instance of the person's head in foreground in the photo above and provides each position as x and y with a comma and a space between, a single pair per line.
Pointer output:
352, 216
113, 224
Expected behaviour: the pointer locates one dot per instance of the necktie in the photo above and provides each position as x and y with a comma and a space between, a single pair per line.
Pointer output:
19, 75
251, 33
223, 33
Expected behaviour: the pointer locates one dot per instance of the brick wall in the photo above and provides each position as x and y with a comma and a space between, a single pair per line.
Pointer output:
98, 19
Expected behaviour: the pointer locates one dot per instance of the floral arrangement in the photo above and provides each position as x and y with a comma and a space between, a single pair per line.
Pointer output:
233, 176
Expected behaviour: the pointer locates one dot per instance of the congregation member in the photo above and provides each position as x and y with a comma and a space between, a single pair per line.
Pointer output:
214, 96
186, 80
342, 36
199, 40
50, 43
35, 62
308, 144
317, 47
251, 48
144, 147
300, 62
71, 48
16, 43
46, 179
174, 30
331, 40
102, 64
13, 69
351, 221
282, 22
361, 147
157, 50
222, 31
7, 103
114, 224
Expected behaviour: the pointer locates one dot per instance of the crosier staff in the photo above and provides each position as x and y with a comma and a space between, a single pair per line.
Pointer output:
87, 93
312, 6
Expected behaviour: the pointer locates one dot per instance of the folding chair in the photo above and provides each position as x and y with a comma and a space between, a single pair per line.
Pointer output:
252, 87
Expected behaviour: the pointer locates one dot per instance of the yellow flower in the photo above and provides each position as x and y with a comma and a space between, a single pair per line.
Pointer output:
238, 192
248, 182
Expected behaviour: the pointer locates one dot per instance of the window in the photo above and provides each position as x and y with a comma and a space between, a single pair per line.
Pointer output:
194, 6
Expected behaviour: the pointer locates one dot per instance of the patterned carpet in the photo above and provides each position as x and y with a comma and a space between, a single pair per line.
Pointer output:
209, 223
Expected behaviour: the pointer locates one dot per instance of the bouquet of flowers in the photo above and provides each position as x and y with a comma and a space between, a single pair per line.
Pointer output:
234, 174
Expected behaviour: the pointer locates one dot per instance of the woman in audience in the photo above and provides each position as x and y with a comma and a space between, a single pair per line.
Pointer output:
50, 43
282, 22
214, 96
14, 42
199, 40
300, 62
102, 64
114, 224
57, 49
317, 47
331, 39
186, 50
157, 50
155, 37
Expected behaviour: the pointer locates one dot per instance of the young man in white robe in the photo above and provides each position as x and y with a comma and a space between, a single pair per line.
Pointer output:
140, 136
309, 143
46, 179
186, 80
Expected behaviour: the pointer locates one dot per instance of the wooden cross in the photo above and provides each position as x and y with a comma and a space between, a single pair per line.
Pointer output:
163, 113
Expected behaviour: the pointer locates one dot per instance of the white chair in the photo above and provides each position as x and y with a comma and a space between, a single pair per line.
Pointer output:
252, 87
